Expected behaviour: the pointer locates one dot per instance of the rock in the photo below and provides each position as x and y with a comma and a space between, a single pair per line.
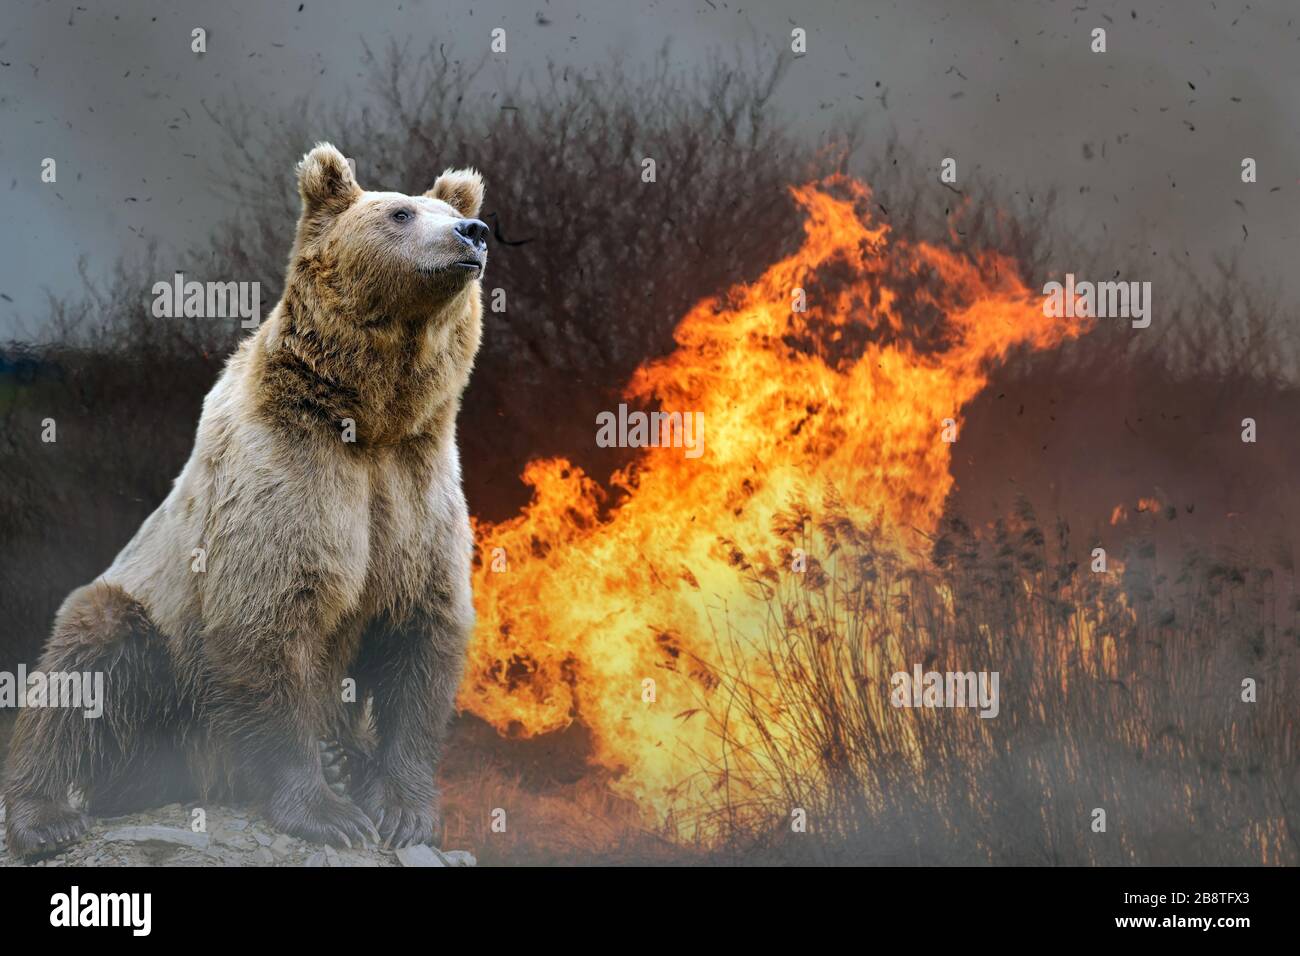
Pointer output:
239, 842
420, 855
171, 836
353, 858
423, 855
234, 838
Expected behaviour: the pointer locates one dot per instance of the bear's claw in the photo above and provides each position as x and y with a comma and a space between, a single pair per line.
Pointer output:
400, 822
406, 827
328, 819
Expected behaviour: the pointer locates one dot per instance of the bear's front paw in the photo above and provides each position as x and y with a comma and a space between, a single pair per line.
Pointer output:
402, 819
37, 827
325, 818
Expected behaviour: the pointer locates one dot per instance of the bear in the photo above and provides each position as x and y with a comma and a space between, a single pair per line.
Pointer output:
307, 578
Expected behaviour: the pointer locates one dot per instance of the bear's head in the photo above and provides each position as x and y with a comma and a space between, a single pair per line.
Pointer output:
381, 313
379, 256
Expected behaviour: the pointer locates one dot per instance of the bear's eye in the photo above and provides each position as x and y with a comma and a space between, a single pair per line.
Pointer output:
402, 215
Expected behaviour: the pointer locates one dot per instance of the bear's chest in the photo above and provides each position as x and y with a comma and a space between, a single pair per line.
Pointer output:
418, 532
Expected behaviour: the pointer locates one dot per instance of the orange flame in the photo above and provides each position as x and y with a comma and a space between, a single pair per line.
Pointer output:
594, 603
1144, 505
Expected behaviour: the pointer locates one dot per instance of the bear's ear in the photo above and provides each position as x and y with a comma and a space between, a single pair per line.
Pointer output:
325, 182
460, 188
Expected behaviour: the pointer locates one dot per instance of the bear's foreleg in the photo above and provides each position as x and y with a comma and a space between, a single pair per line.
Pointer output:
265, 711
414, 671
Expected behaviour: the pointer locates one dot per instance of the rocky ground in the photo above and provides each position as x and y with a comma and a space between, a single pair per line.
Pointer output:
230, 837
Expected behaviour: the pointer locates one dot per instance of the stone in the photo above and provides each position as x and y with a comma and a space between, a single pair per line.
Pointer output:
170, 836
420, 855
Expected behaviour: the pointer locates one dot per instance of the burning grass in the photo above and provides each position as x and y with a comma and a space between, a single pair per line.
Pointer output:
723, 691
603, 605
1120, 691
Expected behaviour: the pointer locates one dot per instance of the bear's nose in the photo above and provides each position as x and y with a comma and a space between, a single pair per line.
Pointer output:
474, 232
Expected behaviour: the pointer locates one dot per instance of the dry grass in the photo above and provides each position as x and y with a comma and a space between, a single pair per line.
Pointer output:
1118, 691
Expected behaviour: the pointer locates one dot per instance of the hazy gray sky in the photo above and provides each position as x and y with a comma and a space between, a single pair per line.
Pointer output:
114, 94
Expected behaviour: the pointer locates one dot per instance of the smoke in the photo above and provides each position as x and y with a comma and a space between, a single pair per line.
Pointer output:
118, 99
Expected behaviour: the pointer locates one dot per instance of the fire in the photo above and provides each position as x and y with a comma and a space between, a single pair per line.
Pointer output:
607, 606
1144, 506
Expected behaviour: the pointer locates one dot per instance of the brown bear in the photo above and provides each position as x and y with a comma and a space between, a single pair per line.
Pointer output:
308, 577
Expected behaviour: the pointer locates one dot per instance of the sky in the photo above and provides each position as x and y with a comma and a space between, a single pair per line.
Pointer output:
1144, 142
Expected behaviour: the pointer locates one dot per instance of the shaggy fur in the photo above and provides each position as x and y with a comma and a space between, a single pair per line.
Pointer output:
326, 559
